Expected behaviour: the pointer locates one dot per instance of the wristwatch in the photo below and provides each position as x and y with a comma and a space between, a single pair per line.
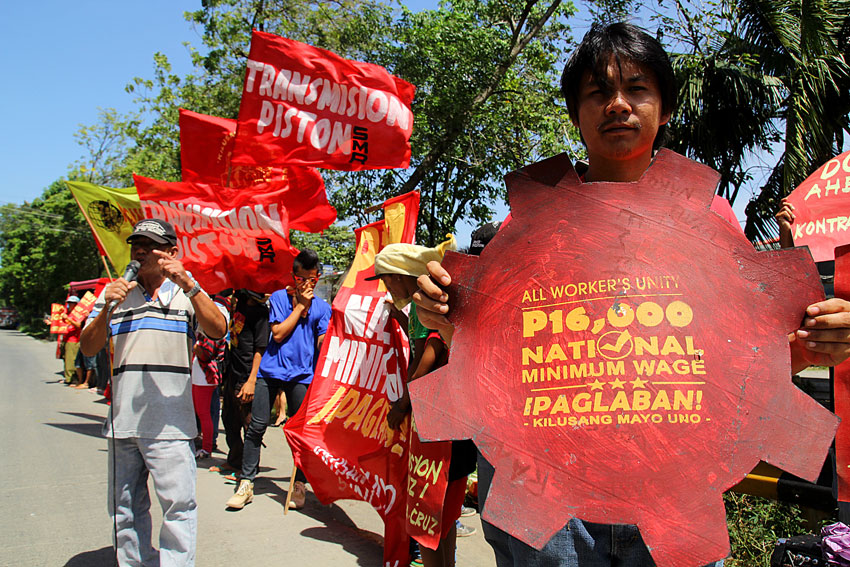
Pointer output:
194, 291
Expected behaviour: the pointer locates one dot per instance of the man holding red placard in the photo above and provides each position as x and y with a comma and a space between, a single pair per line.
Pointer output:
620, 92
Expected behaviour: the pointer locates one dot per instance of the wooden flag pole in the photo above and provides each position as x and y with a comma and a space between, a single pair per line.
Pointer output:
106, 265
289, 492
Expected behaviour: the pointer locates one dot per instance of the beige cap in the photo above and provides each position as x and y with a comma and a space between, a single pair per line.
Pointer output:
409, 259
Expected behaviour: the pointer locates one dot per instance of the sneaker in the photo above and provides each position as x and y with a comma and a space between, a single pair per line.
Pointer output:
464, 531
201, 454
467, 511
243, 495
299, 496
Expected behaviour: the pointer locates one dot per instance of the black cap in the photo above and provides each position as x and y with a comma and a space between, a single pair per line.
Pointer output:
482, 235
157, 230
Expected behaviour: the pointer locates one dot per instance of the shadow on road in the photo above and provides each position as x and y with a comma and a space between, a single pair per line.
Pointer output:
339, 528
366, 546
94, 429
91, 416
90, 429
103, 557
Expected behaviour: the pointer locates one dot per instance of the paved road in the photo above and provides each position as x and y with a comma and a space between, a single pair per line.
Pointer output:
53, 488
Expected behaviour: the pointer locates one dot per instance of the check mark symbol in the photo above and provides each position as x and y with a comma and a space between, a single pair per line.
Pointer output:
618, 346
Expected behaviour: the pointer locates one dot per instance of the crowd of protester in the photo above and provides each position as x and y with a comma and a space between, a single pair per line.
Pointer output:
248, 348
258, 373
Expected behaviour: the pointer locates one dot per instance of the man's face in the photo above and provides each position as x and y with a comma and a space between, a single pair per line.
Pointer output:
140, 250
619, 121
395, 285
306, 279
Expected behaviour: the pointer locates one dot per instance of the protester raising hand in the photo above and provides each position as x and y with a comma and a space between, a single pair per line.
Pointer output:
785, 218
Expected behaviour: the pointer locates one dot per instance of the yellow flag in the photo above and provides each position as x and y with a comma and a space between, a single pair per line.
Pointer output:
111, 214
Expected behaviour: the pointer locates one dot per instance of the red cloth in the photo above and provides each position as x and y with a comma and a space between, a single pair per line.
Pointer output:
228, 238
307, 106
453, 504
206, 148
339, 436
73, 335
201, 398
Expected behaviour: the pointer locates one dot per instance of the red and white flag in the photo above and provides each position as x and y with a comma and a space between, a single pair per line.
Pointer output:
302, 105
340, 437
228, 238
206, 149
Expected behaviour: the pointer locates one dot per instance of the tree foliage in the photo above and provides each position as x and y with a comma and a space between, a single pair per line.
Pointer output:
765, 77
44, 245
335, 245
486, 74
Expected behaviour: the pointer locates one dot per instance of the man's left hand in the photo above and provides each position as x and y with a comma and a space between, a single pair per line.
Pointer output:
173, 270
824, 338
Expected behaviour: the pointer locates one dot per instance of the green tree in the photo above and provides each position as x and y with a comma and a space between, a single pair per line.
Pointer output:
805, 44
727, 105
44, 245
756, 75
335, 246
487, 102
106, 146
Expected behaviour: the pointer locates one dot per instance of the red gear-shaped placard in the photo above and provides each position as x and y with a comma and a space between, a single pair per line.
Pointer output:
620, 356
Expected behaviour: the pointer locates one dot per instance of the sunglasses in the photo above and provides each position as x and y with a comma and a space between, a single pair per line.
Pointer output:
300, 279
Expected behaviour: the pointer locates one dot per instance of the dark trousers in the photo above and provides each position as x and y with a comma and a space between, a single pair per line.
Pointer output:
264, 395
235, 416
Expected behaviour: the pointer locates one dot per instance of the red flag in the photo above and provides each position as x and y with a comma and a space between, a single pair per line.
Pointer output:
302, 105
228, 238
339, 437
206, 148
819, 205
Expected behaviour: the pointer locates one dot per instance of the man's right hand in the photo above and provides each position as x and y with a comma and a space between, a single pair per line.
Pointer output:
246, 392
304, 296
432, 306
118, 290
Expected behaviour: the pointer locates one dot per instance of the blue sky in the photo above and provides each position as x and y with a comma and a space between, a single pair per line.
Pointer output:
60, 61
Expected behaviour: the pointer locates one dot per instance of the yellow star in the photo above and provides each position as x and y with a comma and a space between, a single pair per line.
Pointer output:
638, 383
596, 385
616, 384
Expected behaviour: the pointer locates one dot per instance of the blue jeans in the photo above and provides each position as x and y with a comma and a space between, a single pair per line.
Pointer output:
578, 544
265, 392
171, 463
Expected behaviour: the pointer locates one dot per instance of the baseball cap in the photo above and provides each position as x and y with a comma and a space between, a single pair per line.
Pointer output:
157, 230
409, 259
482, 235
72, 299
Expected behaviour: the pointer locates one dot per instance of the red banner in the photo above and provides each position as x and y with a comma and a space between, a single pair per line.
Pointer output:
819, 206
633, 368
81, 311
427, 480
228, 238
302, 105
206, 148
57, 323
339, 437
842, 386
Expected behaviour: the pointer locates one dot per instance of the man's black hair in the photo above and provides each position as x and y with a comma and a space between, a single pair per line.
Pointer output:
619, 41
307, 259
